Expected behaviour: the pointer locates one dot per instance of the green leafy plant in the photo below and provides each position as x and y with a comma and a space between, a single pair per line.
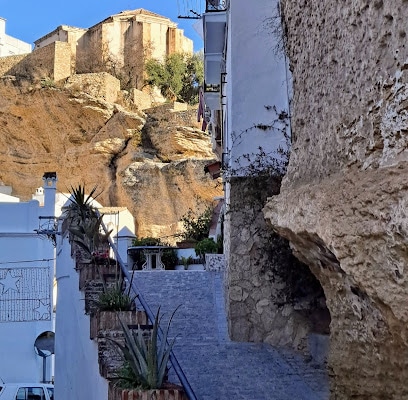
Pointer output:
115, 299
85, 223
89, 236
80, 207
205, 246
145, 356
196, 227
178, 77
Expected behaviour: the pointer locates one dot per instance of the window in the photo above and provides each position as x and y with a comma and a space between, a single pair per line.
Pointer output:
51, 393
30, 393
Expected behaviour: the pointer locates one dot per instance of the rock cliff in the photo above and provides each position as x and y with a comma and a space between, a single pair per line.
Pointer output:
343, 202
151, 162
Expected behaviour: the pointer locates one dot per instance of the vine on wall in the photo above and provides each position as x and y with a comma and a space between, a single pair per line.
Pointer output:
256, 177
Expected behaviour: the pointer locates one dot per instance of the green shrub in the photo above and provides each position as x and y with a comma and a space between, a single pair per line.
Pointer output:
196, 227
115, 299
205, 246
186, 261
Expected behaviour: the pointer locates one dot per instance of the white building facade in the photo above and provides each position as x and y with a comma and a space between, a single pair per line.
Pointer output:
26, 285
11, 46
247, 109
76, 354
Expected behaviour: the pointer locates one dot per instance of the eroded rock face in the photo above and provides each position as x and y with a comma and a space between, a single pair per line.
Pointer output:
152, 164
343, 202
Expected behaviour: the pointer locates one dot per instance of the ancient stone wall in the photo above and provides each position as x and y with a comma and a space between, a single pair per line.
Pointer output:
7, 63
271, 296
100, 85
343, 202
62, 61
52, 61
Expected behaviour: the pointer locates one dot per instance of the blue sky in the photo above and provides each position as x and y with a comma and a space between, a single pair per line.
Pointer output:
28, 20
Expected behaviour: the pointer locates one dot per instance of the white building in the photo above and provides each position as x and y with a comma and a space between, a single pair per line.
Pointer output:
26, 283
76, 355
245, 80
10, 46
28, 233
247, 109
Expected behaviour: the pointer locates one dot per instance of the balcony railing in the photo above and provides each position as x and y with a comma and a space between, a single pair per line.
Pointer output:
216, 5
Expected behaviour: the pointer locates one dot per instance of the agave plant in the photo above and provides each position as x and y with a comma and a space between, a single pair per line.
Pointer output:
80, 208
145, 356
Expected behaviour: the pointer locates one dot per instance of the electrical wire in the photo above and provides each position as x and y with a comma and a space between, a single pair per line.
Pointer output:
26, 261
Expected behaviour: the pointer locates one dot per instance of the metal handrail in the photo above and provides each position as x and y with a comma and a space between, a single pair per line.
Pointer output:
173, 360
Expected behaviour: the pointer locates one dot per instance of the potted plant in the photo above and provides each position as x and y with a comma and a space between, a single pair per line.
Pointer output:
113, 303
205, 246
186, 261
145, 364
85, 225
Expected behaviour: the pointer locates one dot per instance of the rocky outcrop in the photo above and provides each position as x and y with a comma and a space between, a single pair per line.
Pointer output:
343, 202
152, 163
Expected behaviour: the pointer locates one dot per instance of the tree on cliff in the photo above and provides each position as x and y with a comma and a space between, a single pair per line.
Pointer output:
178, 77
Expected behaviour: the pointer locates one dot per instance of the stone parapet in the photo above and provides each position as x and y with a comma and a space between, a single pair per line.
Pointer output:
214, 262
52, 62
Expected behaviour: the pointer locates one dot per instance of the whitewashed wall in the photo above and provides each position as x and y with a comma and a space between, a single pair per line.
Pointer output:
10, 45
26, 276
76, 356
256, 80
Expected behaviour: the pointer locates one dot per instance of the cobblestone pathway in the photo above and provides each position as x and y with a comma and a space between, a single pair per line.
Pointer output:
217, 368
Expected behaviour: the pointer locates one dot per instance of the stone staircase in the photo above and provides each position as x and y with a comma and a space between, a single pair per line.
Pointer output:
104, 326
217, 368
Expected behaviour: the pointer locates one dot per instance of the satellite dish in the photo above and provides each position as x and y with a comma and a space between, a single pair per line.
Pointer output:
45, 344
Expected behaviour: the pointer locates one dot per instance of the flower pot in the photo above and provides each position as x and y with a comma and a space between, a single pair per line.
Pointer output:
173, 392
104, 321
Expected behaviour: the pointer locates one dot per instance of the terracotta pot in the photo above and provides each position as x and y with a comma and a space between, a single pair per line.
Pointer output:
92, 272
174, 392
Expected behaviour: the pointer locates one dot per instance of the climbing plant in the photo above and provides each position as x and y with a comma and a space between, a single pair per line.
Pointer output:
253, 177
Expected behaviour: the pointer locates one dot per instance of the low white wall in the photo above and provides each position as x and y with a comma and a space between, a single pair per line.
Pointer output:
76, 356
